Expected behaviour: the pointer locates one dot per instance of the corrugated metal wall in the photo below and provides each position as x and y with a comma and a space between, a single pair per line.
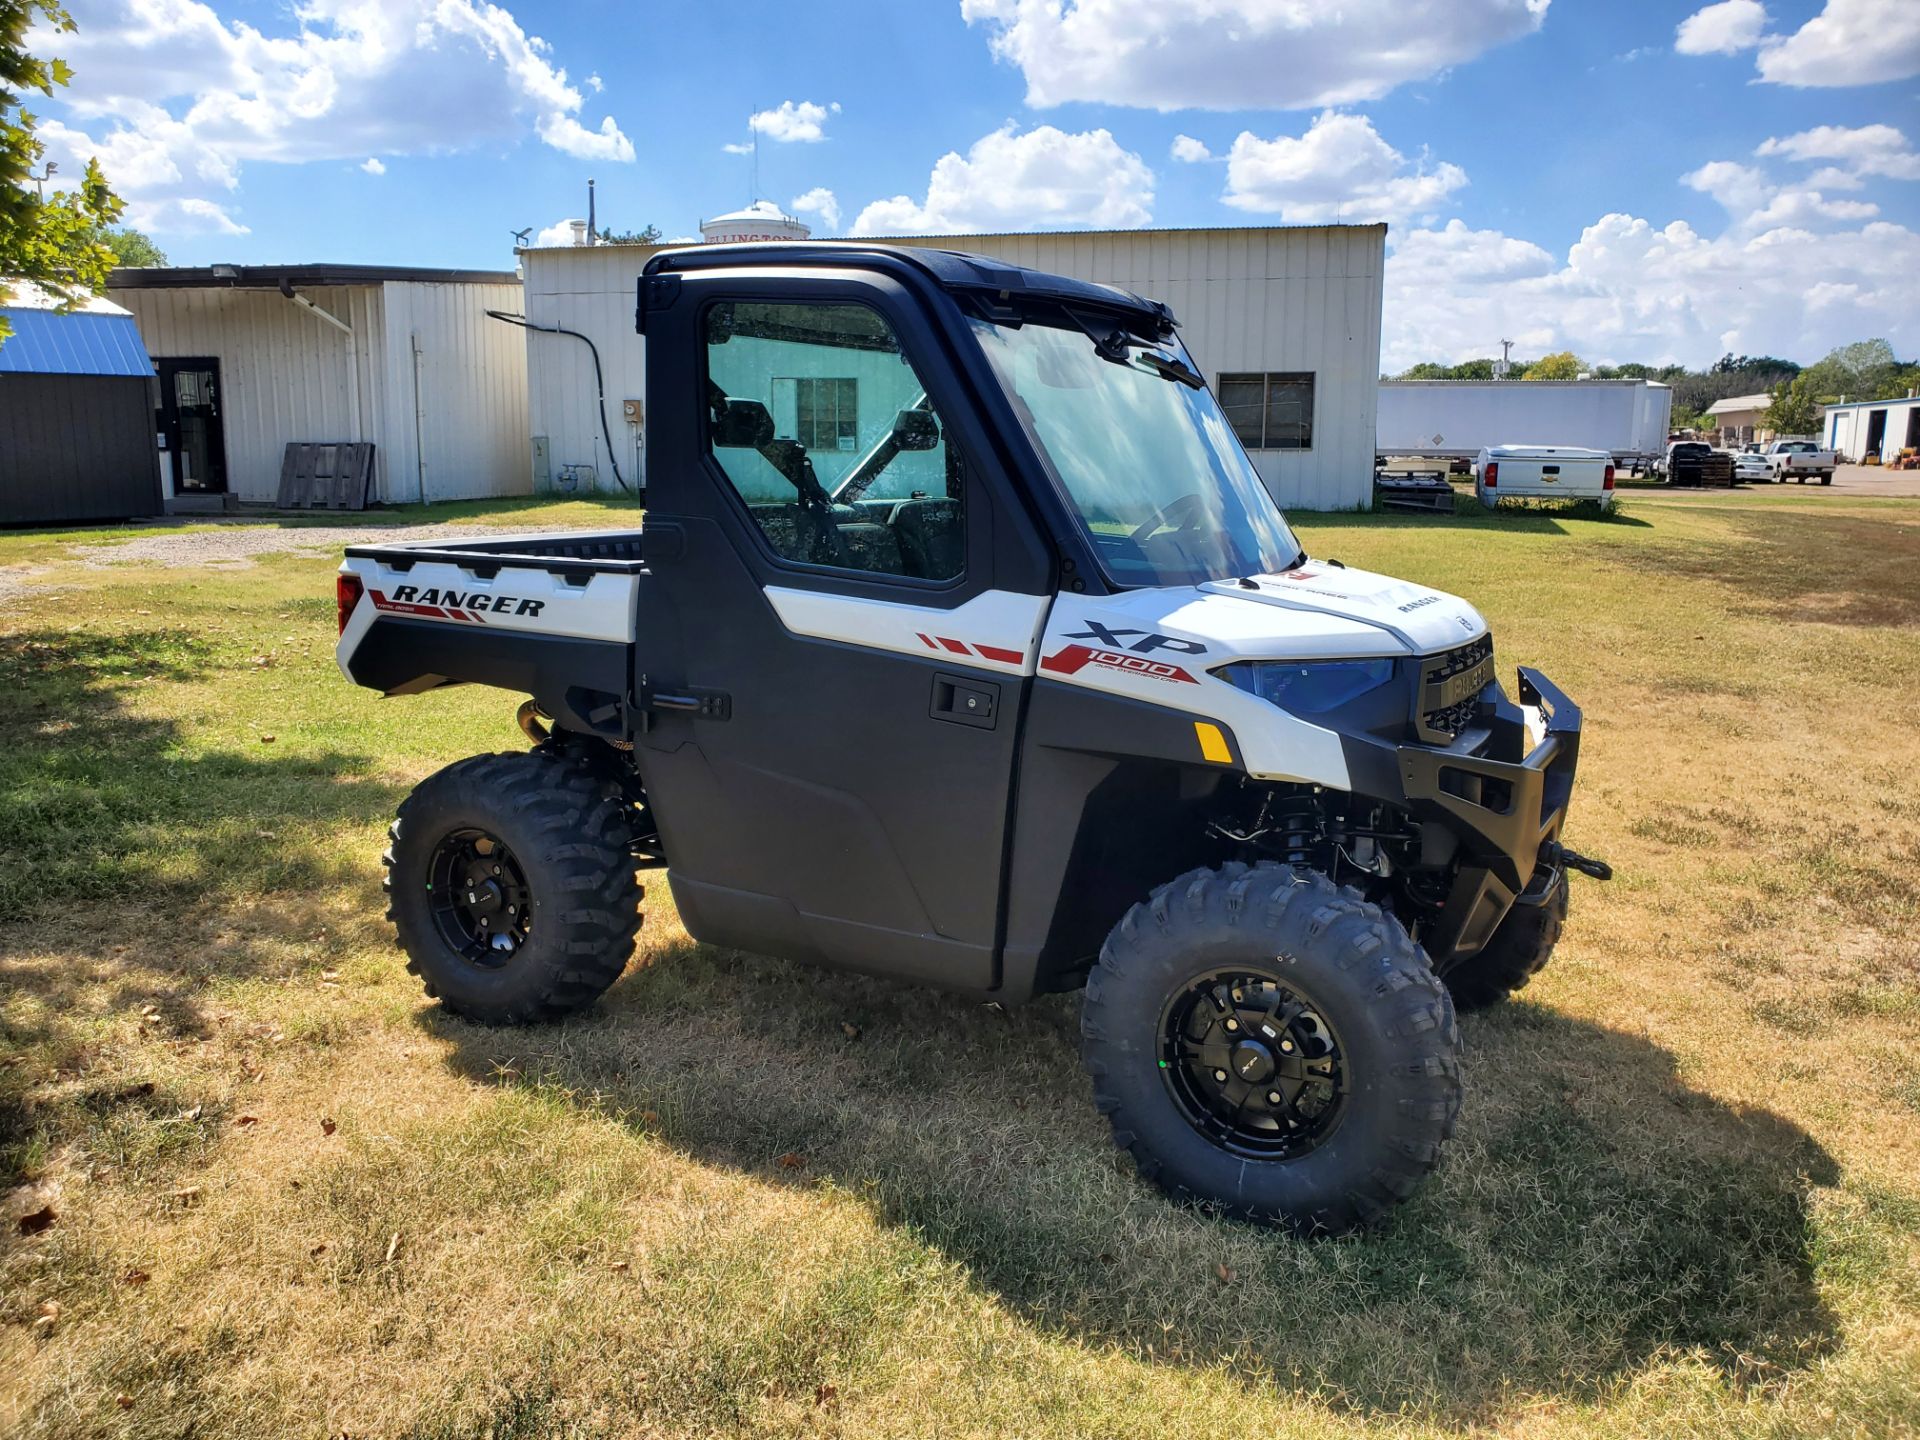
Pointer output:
1254, 299
589, 289
285, 375
471, 416
288, 376
76, 447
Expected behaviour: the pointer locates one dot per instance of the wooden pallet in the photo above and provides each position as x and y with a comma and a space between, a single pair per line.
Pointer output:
326, 475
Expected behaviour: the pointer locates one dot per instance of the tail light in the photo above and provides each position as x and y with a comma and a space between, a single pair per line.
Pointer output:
347, 591
1493, 474
1607, 482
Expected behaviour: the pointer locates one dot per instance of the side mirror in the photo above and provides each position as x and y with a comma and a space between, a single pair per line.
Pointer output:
742, 425
915, 430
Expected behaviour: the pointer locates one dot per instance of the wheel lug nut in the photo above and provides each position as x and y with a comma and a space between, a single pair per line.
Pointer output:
1221, 1076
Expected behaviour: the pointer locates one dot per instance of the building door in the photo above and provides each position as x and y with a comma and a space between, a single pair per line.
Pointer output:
1876, 433
190, 426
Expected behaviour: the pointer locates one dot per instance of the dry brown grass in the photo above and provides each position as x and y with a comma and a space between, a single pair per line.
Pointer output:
1684, 1199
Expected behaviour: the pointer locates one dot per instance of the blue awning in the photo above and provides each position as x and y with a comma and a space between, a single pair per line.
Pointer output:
44, 342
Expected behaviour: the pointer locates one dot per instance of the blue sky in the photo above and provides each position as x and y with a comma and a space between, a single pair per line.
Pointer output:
1634, 180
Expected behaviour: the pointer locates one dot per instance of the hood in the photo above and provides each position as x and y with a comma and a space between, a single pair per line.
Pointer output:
1406, 617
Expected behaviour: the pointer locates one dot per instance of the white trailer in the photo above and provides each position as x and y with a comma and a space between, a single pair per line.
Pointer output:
1457, 419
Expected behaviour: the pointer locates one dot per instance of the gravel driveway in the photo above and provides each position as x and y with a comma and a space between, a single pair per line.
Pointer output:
233, 546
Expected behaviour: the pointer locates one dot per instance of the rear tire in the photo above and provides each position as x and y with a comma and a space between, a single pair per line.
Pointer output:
1269, 959
536, 904
1520, 948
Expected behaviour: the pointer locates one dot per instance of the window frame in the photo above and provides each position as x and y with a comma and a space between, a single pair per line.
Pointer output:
1267, 379
737, 502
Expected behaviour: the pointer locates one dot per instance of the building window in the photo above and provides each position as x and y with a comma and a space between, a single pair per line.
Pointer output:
826, 412
1272, 411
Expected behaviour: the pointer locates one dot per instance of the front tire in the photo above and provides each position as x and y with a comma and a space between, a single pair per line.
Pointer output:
511, 887
1271, 1045
1522, 944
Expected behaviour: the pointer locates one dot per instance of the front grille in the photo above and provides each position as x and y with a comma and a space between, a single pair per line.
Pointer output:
1450, 686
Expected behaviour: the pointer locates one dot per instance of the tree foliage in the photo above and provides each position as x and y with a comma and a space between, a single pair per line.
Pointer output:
1561, 365
132, 249
52, 240
648, 236
1793, 410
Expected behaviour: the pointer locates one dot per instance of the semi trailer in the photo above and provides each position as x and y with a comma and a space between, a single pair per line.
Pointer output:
1457, 419
963, 645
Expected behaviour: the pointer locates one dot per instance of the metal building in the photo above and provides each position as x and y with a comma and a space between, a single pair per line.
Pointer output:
76, 412
1856, 429
1284, 321
254, 357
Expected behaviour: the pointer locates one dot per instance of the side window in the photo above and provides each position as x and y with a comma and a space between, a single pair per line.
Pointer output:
1270, 412
818, 420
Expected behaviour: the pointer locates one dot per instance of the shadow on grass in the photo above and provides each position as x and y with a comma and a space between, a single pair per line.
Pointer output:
149, 866
1593, 1213
1545, 518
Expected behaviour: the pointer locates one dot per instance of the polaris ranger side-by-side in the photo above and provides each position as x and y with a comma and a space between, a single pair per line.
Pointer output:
963, 644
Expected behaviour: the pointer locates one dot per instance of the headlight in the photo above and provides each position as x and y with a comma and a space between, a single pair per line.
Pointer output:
1308, 687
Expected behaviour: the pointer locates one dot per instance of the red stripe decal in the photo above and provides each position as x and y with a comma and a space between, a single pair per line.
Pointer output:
1005, 657
955, 646
927, 641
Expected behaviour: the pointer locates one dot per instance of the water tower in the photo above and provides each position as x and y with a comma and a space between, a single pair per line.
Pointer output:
762, 220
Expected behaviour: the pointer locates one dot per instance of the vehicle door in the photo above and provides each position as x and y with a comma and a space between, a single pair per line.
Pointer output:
842, 612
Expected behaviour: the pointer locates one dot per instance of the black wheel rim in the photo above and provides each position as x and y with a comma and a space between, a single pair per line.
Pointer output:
1253, 1064
479, 897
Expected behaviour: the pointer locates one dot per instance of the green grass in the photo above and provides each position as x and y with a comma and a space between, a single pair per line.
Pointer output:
1683, 1200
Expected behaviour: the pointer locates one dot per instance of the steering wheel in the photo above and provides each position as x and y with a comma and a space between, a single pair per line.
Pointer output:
1173, 515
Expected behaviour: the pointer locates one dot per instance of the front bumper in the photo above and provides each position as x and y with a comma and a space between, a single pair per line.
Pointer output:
1505, 816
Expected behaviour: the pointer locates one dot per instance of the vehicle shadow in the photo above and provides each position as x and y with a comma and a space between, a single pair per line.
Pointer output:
1593, 1211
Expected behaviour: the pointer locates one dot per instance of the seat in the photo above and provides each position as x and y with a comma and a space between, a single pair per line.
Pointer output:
931, 541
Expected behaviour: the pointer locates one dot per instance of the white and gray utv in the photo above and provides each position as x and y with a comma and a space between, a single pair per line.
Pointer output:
964, 645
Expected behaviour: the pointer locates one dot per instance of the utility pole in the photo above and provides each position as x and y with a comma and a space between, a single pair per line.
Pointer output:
1505, 367
592, 234
41, 179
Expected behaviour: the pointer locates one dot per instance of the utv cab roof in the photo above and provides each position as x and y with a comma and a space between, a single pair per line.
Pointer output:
955, 270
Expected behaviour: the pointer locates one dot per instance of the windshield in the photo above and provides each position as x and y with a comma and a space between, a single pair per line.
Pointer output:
1148, 461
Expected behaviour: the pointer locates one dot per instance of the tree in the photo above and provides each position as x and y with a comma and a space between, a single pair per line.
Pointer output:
648, 236
132, 249
1793, 410
51, 240
1561, 365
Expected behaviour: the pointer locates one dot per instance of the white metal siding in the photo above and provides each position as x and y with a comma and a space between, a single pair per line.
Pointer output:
1845, 427
471, 419
285, 375
1249, 300
591, 290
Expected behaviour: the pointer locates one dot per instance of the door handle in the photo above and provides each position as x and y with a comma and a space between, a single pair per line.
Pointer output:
961, 701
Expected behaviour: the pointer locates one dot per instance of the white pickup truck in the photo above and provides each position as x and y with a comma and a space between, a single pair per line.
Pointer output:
1799, 460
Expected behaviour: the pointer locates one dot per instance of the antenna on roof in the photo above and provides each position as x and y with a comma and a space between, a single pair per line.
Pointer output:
1504, 365
591, 232
754, 198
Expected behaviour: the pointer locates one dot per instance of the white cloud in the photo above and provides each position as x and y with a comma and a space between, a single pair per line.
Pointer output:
561, 232
1189, 150
794, 120
1850, 42
1629, 291
1756, 203
176, 101
1866, 150
1240, 54
818, 201
1723, 29
1740, 189
1007, 181
373, 165
1339, 170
